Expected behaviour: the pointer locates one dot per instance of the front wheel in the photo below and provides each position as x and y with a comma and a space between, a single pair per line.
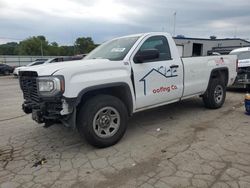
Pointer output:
102, 120
215, 95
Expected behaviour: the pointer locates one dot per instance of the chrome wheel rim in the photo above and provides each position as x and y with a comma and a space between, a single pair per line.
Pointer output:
106, 122
218, 94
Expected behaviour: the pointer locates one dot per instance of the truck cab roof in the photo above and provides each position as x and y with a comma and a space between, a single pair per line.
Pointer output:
143, 34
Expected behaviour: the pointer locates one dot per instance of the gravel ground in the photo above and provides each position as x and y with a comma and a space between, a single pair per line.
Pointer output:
179, 145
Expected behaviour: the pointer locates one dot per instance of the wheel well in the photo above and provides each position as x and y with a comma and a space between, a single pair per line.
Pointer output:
221, 74
122, 92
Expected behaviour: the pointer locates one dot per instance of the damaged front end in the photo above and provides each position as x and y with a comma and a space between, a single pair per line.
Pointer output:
243, 78
43, 97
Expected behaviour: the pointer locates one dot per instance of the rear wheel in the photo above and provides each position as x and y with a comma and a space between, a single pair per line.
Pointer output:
215, 95
103, 120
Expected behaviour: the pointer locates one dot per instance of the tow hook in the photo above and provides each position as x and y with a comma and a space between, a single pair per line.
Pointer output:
37, 116
26, 108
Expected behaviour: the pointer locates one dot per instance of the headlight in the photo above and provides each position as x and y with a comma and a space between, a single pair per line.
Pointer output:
46, 85
50, 85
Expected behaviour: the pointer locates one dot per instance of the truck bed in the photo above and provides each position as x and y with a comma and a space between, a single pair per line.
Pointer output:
197, 72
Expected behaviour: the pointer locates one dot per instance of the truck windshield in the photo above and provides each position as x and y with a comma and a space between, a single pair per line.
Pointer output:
114, 50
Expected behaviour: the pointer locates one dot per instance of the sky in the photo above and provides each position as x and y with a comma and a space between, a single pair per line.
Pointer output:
63, 21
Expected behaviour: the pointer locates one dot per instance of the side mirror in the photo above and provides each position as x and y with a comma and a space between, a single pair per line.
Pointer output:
146, 55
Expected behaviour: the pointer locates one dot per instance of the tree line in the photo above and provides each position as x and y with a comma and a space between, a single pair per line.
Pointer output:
38, 45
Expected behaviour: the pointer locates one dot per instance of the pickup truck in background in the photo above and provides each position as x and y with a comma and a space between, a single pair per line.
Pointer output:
123, 76
243, 77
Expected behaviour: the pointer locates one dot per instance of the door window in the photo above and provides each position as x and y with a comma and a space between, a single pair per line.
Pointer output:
159, 43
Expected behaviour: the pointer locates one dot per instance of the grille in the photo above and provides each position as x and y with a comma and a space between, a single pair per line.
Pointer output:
29, 87
242, 76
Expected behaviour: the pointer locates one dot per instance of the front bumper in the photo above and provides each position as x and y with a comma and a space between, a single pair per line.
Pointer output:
44, 111
44, 108
242, 80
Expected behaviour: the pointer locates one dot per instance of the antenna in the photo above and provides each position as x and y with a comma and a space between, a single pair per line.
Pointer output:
235, 32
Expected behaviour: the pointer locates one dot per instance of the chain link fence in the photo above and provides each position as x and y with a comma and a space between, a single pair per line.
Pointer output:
17, 61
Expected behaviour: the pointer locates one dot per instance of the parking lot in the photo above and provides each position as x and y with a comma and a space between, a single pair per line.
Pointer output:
179, 145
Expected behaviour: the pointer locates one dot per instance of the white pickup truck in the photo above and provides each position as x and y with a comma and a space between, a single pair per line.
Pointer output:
123, 76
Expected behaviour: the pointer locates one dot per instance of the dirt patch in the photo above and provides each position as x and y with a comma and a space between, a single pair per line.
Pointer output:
120, 178
162, 135
202, 126
229, 111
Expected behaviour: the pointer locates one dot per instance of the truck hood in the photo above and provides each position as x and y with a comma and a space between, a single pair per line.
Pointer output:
50, 69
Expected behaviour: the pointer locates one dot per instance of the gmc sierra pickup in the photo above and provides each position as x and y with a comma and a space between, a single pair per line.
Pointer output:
123, 76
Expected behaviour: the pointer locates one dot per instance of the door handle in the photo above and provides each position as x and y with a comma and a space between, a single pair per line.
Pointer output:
174, 66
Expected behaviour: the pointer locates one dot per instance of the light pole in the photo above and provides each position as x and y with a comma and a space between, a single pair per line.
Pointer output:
235, 32
74, 48
41, 48
174, 23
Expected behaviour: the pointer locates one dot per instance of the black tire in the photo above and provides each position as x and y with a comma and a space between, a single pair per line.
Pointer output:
6, 72
87, 118
248, 87
215, 95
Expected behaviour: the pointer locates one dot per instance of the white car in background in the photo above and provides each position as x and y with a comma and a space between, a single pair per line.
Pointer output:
40, 62
37, 62
48, 61
243, 77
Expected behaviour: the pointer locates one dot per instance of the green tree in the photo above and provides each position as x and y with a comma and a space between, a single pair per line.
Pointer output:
8, 48
54, 44
84, 45
34, 46
38, 45
53, 49
66, 50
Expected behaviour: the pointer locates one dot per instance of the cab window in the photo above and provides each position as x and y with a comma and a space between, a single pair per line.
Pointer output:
159, 43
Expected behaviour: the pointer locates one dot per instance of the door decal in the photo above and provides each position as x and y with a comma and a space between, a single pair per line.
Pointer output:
163, 72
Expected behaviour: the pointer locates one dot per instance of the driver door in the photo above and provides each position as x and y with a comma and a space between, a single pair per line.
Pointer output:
157, 80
